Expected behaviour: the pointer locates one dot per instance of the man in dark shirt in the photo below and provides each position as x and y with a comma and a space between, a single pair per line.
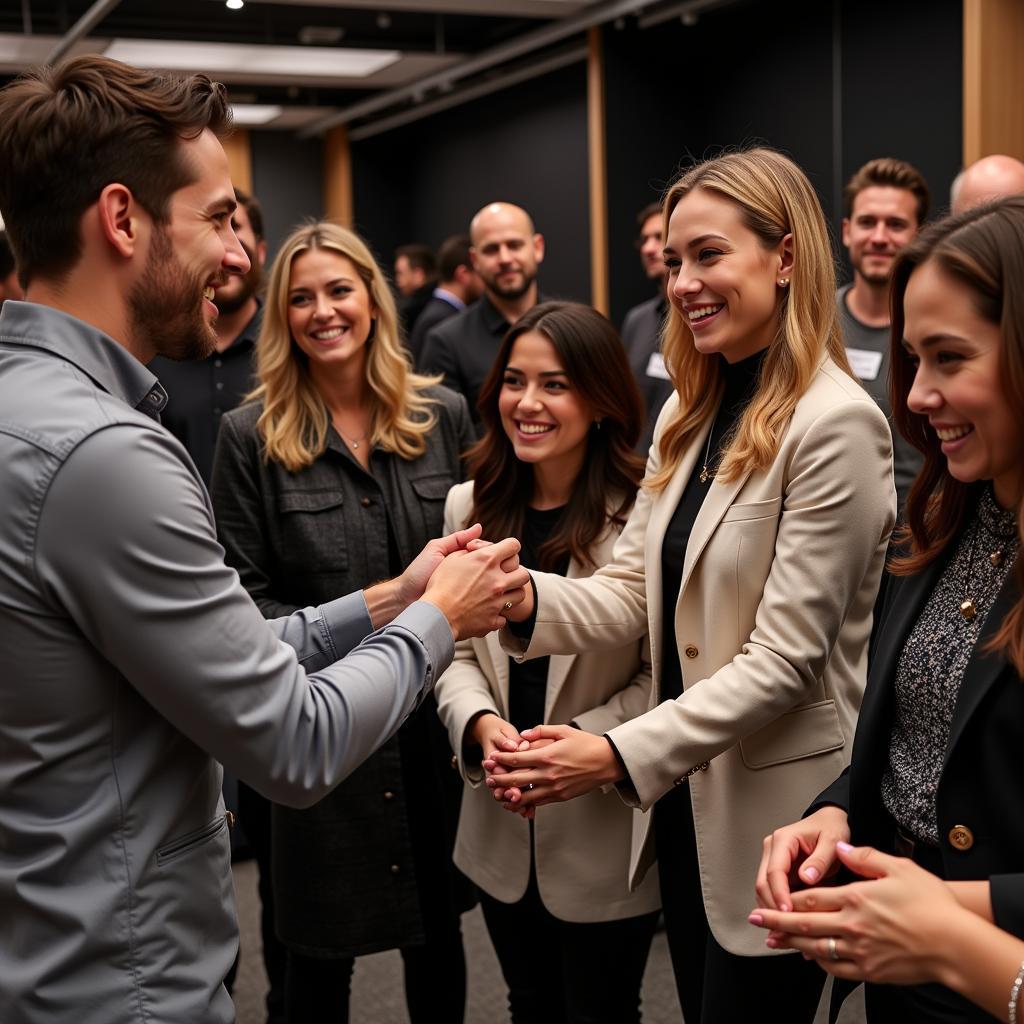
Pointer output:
200, 392
415, 277
506, 252
460, 286
641, 329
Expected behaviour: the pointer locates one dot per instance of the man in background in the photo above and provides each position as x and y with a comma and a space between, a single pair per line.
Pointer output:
886, 203
200, 391
459, 287
506, 252
991, 177
415, 276
641, 328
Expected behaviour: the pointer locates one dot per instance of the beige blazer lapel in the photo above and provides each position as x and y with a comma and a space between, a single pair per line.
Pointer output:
499, 664
559, 665
662, 508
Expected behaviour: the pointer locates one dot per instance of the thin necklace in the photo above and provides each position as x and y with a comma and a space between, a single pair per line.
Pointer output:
705, 473
353, 441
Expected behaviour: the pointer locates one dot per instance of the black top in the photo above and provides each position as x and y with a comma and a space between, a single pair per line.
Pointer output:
528, 680
411, 306
463, 348
436, 311
641, 335
740, 385
202, 390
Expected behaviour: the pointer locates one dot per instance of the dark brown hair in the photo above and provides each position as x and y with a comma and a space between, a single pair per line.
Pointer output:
649, 211
591, 353
984, 249
68, 132
253, 211
893, 173
454, 253
420, 257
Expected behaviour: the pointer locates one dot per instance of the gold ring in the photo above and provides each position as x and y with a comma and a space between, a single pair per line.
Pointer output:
833, 953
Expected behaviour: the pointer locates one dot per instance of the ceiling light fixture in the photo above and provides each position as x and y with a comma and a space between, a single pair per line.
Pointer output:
234, 5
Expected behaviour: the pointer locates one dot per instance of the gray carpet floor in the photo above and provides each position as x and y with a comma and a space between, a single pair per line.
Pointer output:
377, 991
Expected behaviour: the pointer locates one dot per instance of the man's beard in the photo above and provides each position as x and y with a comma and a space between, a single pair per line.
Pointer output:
248, 286
166, 306
515, 292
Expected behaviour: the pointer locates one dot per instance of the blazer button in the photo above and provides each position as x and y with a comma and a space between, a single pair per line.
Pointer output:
365, 502
961, 837
388, 795
229, 818
690, 651
395, 869
455, 762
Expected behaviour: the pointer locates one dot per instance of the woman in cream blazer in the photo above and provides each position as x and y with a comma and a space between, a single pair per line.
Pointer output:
752, 557
562, 415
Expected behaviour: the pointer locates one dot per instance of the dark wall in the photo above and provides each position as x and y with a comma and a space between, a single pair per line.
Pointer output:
288, 180
526, 145
831, 84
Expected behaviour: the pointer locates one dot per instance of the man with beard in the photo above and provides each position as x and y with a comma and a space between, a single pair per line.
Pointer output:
506, 251
886, 203
200, 391
641, 328
133, 659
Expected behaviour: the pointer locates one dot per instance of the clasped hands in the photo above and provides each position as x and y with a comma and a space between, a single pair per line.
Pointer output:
543, 765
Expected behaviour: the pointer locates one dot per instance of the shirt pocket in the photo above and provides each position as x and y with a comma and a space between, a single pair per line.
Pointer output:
312, 530
431, 492
191, 840
803, 732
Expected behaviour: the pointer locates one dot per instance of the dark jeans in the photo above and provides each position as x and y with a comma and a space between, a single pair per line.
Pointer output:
714, 985
560, 971
254, 814
435, 982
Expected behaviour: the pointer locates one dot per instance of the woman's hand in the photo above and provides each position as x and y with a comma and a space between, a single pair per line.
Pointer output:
893, 929
561, 763
802, 852
493, 733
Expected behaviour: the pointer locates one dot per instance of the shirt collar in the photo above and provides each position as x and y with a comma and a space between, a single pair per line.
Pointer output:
109, 365
450, 297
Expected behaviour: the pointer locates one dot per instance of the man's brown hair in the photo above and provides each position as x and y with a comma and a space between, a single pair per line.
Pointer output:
887, 171
68, 132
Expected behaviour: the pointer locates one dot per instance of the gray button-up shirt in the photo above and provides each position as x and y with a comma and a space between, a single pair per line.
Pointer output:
129, 654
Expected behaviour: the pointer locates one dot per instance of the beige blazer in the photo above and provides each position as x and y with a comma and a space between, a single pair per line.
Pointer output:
582, 847
771, 622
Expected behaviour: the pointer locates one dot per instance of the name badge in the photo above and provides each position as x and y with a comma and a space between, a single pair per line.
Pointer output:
656, 367
864, 363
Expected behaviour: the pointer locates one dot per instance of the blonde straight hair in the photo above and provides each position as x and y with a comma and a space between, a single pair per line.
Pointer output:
775, 199
295, 418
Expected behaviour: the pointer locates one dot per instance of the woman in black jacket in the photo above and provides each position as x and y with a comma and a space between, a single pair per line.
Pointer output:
936, 772
333, 476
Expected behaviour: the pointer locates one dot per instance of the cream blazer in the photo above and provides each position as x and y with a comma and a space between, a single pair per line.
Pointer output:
582, 847
771, 622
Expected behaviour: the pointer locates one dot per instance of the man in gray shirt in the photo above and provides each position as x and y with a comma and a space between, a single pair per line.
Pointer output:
886, 204
132, 658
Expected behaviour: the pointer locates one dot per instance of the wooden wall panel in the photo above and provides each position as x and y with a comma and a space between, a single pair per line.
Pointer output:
338, 176
596, 149
238, 147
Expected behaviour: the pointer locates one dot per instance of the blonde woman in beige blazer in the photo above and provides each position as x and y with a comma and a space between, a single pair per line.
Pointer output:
561, 414
752, 557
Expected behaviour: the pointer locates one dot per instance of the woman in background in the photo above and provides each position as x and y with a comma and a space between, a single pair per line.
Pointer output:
333, 476
555, 468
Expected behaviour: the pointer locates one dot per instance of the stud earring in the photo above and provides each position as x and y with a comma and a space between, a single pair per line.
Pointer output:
784, 282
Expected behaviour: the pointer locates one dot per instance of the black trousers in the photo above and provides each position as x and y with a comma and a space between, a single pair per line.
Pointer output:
561, 971
318, 990
254, 814
714, 985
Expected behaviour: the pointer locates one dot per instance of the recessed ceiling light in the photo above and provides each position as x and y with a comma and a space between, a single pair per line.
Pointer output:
255, 113
234, 5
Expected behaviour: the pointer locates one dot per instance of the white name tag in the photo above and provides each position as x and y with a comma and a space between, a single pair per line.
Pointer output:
864, 363
656, 367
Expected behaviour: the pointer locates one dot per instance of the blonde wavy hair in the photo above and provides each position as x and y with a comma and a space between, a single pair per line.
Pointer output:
295, 418
775, 199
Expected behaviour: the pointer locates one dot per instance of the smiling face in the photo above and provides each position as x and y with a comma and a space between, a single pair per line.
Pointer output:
721, 279
544, 416
506, 250
651, 245
958, 384
171, 306
329, 310
240, 288
882, 221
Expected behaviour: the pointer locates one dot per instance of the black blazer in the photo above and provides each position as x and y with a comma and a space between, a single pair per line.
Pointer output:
981, 786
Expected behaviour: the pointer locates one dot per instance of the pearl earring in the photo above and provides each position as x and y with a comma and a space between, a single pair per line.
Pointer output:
784, 282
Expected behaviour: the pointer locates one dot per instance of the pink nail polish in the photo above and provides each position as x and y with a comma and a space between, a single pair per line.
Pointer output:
756, 919
845, 847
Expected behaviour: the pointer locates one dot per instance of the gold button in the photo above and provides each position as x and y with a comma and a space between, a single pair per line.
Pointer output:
395, 869
230, 818
961, 837
365, 502
690, 651
388, 795
455, 762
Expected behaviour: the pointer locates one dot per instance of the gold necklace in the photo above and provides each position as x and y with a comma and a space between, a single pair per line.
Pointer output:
968, 609
705, 473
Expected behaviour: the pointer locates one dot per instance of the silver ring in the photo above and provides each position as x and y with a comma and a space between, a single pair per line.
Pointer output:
833, 953
508, 605
528, 787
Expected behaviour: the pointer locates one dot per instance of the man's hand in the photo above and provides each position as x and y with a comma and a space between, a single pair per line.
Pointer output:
386, 600
475, 590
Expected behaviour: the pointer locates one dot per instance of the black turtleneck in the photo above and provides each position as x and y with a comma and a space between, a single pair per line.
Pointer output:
740, 385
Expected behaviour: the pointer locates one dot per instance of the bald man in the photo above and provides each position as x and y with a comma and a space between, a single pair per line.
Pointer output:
506, 252
991, 177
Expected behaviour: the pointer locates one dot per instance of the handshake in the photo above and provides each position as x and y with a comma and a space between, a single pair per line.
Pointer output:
475, 584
